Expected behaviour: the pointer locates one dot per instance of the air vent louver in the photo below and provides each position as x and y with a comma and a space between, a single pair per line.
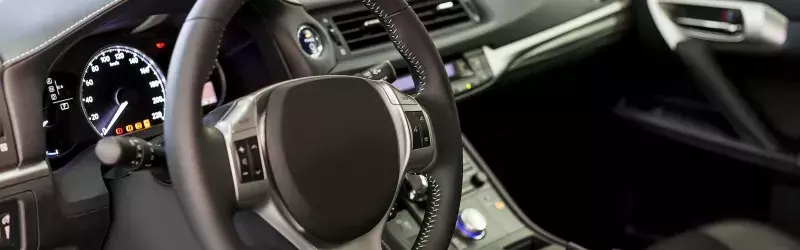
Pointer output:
360, 29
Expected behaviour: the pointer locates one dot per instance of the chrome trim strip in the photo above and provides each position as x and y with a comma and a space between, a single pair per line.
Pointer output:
500, 58
762, 23
600, 27
274, 215
707, 24
669, 31
150, 22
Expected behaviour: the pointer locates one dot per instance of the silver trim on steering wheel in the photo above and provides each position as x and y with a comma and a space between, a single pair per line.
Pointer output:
247, 117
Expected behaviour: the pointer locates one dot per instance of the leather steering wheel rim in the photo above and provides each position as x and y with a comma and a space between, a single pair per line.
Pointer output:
193, 148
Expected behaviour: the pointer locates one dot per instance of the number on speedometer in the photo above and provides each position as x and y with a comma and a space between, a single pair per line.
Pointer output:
122, 91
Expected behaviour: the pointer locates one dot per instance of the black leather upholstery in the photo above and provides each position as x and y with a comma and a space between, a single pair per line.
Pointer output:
730, 235
45, 22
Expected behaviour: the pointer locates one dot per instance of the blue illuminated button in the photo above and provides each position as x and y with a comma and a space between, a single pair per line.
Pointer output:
471, 224
310, 41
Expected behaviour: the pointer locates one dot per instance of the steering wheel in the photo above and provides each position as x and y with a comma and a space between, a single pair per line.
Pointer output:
318, 158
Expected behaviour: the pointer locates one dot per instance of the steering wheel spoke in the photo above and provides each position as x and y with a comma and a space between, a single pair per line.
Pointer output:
271, 132
239, 128
274, 212
419, 129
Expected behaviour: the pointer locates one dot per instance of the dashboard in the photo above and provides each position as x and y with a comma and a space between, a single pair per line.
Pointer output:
113, 83
100, 67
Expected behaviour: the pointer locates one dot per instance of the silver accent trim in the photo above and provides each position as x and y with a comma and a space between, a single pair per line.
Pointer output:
604, 26
270, 212
22, 174
23, 222
500, 58
707, 24
249, 192
241, 122
670, 32
762, 23
444, 6
295, 2
275, 216
468, 7
371, 22
264, 198
150, 22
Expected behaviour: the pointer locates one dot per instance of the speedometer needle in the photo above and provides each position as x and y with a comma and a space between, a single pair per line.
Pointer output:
115, 117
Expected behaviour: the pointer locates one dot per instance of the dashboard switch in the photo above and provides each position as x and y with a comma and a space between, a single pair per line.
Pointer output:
382, 72
244, 161
310, 41
479, 179
130, 153
420, 132
9, 225
255, 155
248, 157
471, 224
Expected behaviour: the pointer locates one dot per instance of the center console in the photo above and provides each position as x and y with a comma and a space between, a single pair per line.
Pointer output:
486, 219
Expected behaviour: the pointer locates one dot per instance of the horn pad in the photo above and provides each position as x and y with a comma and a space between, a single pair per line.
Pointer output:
334, 155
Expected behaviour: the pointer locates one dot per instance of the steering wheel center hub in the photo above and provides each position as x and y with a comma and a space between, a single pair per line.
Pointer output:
334, 155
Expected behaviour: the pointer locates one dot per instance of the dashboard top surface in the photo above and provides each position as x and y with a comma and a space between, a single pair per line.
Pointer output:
67, 38
501, 22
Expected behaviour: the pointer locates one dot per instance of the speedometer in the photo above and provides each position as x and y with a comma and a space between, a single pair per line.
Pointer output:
122, 91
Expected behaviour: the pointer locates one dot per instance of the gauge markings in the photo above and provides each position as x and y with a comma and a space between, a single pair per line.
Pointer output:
122, 91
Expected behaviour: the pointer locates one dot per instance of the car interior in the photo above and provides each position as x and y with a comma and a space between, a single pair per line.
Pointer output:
400, 124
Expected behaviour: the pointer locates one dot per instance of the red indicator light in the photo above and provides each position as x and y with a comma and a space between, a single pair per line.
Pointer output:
160, 45
118, 131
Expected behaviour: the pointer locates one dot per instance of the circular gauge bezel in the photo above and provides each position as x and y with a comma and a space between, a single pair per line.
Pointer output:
142, 56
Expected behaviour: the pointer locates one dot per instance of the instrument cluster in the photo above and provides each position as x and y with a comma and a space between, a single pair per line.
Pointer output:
113, 84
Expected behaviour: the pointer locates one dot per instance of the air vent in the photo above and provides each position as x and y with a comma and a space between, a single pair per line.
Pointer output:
360, 29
